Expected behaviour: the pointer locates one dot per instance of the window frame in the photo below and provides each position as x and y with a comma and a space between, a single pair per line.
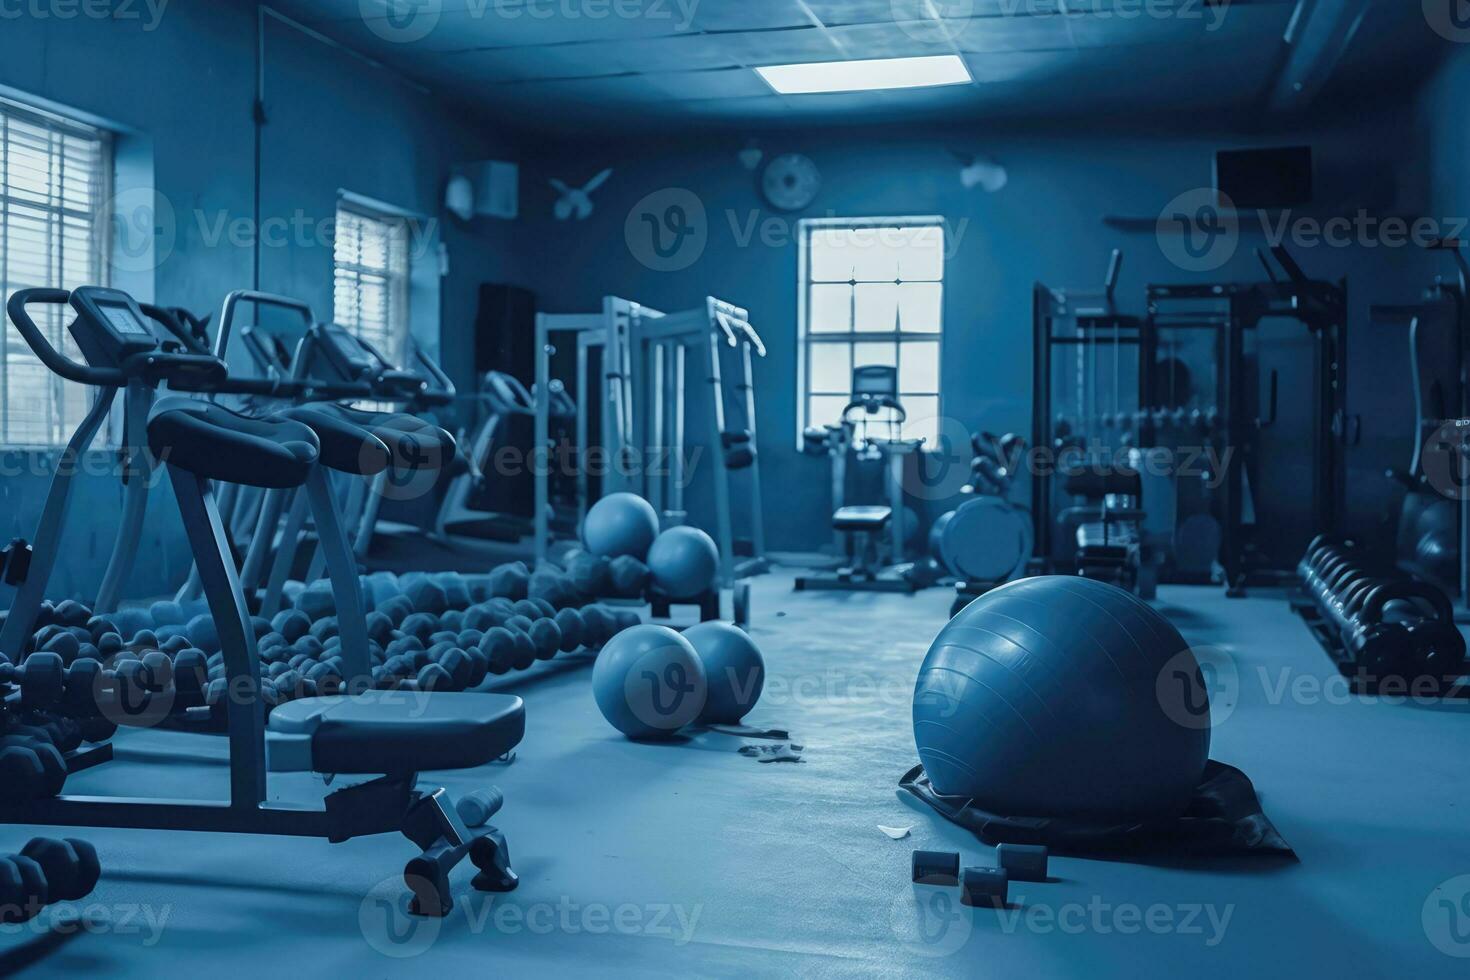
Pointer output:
400, 281
99, 219
805, 338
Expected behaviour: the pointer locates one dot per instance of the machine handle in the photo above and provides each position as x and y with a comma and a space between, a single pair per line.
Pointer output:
439, 383
58, 362
258, 299
169, 320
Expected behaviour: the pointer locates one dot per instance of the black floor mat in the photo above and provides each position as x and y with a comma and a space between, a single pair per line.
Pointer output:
1224, 818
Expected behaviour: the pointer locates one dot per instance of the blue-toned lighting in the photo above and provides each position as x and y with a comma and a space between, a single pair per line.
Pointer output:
866, 75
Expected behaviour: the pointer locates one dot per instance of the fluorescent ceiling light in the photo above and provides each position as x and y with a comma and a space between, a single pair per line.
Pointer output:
867, 75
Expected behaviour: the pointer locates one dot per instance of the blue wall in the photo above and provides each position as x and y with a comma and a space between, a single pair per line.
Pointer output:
186, 85
1045, 225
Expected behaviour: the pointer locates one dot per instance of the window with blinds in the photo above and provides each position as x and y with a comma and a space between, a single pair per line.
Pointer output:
55, 176
370, 290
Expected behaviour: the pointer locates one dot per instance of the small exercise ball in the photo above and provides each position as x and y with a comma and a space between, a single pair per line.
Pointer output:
684, 562
734, 670
1061, 696
620, 524
648, 682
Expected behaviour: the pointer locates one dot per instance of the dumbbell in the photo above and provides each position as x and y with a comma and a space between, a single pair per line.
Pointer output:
22, 889
70, 867
31, 766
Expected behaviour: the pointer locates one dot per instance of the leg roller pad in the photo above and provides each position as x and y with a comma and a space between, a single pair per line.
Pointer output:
937, 867
984, 888
1022, 862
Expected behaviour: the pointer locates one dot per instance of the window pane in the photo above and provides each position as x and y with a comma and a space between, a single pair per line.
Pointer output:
826, 409
876, 308
921, 256
923, 418
918, 367
874, 353
920, 306
830, 255
876, 252
831, 368
830, 309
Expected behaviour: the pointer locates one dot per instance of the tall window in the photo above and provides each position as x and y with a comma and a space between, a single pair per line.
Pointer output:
55, 176
370, 292
872, 293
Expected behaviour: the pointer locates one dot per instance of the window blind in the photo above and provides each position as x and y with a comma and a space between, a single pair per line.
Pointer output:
55, 177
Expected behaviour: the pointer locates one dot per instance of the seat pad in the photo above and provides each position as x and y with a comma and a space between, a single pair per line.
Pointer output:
347, 447
415, 445
394, 732
213, 442
861, 518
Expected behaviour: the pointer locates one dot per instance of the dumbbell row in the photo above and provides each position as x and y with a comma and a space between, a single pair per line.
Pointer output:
1390, 624
423, 659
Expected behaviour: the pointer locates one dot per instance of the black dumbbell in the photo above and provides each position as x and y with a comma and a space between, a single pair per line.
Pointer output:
31, 768
22, 889
70, 866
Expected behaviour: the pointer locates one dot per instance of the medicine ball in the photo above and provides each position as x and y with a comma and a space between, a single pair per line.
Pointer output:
733, 668
649, 682
620, 524
1061, 696
684, 561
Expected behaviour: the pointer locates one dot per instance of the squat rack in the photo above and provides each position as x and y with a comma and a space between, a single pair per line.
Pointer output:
643, 396
1234, 309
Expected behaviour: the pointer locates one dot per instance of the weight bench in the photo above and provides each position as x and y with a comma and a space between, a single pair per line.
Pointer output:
862, 526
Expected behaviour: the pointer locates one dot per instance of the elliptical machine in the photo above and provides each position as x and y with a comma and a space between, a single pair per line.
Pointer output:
860, 527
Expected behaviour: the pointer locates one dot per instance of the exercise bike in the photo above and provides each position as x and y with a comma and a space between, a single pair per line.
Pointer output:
387, 737
860, 527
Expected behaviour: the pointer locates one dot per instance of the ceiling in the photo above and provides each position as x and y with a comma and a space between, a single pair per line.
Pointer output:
634, 65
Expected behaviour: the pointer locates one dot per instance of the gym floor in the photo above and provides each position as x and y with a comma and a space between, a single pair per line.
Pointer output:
638, 859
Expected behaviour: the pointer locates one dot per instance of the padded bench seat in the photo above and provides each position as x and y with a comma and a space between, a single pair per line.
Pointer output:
861, 518
393, 732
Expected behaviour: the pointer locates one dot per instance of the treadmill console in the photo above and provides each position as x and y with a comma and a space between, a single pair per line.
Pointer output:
110, 327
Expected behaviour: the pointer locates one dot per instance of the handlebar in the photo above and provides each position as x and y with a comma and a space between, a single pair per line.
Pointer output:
257, 299
58, 362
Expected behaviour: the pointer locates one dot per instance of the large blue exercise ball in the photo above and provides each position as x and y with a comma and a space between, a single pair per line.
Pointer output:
1061, 696
620, 524
648, 682
684, 562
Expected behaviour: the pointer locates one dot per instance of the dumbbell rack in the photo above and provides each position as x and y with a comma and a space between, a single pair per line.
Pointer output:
1362, 579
